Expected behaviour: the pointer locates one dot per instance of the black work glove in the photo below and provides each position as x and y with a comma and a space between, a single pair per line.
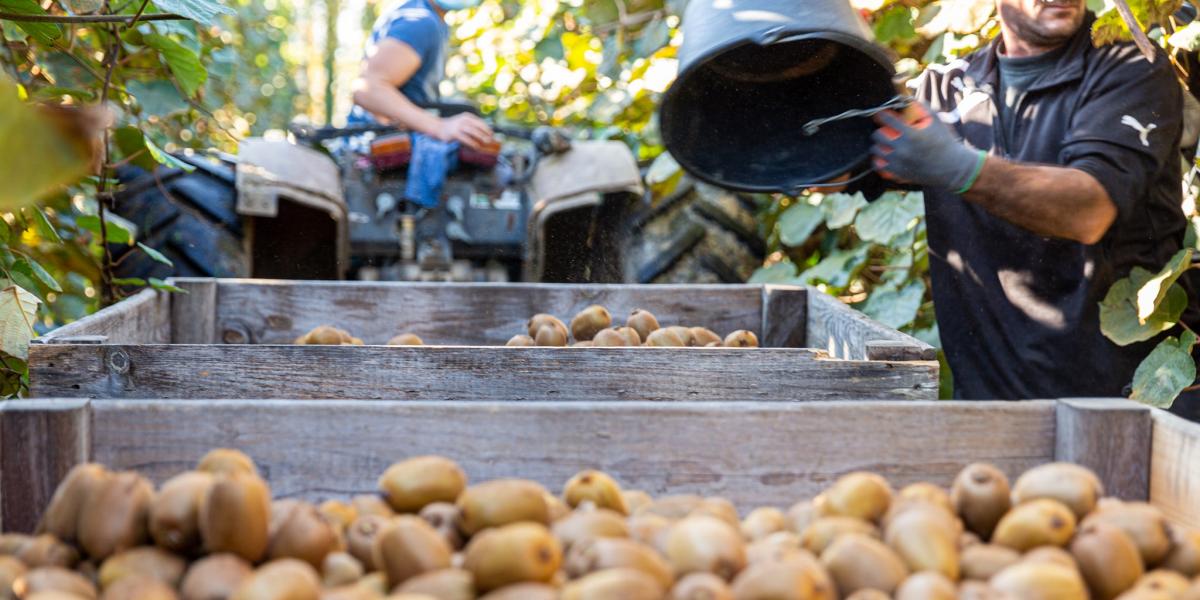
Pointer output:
924, 151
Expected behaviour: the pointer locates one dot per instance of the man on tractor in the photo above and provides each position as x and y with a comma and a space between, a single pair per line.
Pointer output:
1050, 168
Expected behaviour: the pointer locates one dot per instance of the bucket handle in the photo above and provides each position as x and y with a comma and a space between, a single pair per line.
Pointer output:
812, 127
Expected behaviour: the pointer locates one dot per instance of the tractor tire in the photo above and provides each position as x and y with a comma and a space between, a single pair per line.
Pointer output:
698, 234
191, 218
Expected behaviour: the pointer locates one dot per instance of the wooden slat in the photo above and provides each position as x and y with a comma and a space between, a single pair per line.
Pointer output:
1175, 468
469, 373
265, 312
194, 314
752, 453
784, 316
40, 441
1111, 437
846, 333
144, 318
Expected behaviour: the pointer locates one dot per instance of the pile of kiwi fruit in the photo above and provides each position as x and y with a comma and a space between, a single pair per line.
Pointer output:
592, 326
214, 533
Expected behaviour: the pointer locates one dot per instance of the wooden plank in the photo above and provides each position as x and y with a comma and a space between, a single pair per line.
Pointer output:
1175, 468
144, 318
469, 373
1111, 437
194, 314
752, 453
450, 314
784, 316
39, 443
846, 333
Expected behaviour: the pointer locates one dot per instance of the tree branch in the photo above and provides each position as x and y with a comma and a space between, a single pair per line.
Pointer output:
124, 19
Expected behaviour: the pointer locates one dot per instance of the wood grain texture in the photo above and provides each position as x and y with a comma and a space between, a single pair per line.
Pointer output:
194, 314
845, 332
1110, 436
1175, 468
452, 314
752, 453
470, 373
784, 316
144, 318
40, 441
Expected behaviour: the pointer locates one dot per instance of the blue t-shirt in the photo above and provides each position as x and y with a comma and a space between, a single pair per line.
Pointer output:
415, 23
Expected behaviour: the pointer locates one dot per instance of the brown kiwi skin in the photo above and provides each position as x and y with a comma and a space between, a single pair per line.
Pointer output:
632, 337
1107, 558
609, 338
702, 336
624, 583
174, 519
139, 588
220, 461
981, 496
409, 546
856, 561
61, 518
115, 517
664, 338
406, 339
501, 502
341, 568
551, 335
581, 525
143, 561
523, 591
514, 553
701, 586
1073, 485
282, 579
589, 321
597, 487
597, 554
442, 584
10, 570
982, 561
444, 517
520, 340
235, 516
1144, 523
411, 484
705, 543
47, 551
741, 339
360, 539
1041, 522
643, 322
58, 579
1184, 556
302, 532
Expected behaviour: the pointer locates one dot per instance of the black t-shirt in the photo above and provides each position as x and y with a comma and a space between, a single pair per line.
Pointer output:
1018, 313
1015, 77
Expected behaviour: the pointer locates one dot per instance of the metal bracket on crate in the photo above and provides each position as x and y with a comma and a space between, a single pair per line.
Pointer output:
73, 339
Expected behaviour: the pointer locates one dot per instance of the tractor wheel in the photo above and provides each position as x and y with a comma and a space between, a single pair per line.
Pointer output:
191, 218
699, 234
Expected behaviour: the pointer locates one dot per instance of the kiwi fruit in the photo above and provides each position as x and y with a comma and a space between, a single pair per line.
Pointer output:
175, 511
861, 495
777, 546
582, 525
702, 336
340, 568
521, 340
214, 577
650, 530
981, 496
1040, 581
664, 338
597, 487
444, 517
325, 335
222, 461
11, 569
799, 516
982, 561
927, 585
360, 539
61, 518
143, 561
514, 553
1041, 522
340, 513
868, 594
371, 504
302, 532
632, 337
705, 543
443, 584
551, 335
701, 586
1075, 486
351, 591
53, 579
406, 339
643, 322
672, 507
235, 515
597, 554
1107, 558
1143, 522
523, 591
590, 321
282, 579
541, 320
856, 561
411, 484
409, 546
1192, 592
923, 541
139, 588
635, 499
799, 578
608, 338
1166, 583
11, 543
1051, 554
115, 516
721, 508
1184, 556
684, 334
762, 522
741, 339
502, 502
587, 344
627, 584
822, 532
47, 551
925, 491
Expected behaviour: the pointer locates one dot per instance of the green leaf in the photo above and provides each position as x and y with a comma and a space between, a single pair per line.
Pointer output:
894, 24
5, 234
184, 63
45, 33
889, 216
838, 268
146, 154
895, 308
1119, 319
840, 209
202, 11
44, 276
798, 222
1165, 373
37, 157
155, 254
82, 7
129, 281
43, 225
116, 233
1187, 38
158, 98
163, 286
18, 312
1152, 293
780, 272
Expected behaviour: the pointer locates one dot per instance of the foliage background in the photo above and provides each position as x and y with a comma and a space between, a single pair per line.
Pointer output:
596, 66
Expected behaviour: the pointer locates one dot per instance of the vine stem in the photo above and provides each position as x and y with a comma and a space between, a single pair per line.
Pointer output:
78, 19
107, 291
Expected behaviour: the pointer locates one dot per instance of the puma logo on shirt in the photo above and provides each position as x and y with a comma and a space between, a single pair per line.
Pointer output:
1143, 130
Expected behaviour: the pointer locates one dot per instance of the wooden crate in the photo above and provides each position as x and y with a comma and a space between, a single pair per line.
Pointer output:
754, 453
230, 339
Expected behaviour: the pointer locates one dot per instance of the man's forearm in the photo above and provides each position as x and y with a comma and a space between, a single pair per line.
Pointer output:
386, 101
1047, 200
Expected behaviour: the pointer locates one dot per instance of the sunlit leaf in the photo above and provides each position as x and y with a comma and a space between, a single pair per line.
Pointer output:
155, 255
202, 11
158, 98
38, 157
1154, 291
43, 225
1165, 373
144, 152
44, 276
18, 312
45, 33
116, 233
1187, 38
128, 281
896, 23
780, 272
840, 209
889, 216
184, 63
895, 307
799, 222
1119, 319
663, 175
838, 268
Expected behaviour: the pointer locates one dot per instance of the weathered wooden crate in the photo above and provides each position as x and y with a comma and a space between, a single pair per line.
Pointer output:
230, 339
754, 453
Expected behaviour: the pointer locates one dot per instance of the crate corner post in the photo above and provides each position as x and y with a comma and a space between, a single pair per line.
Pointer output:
1111, 436
40, 442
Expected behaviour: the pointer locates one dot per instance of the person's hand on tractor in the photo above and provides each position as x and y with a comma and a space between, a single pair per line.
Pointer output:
467, 129
918, 148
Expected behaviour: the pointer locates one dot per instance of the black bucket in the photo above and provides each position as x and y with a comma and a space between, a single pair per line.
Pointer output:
753, 73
